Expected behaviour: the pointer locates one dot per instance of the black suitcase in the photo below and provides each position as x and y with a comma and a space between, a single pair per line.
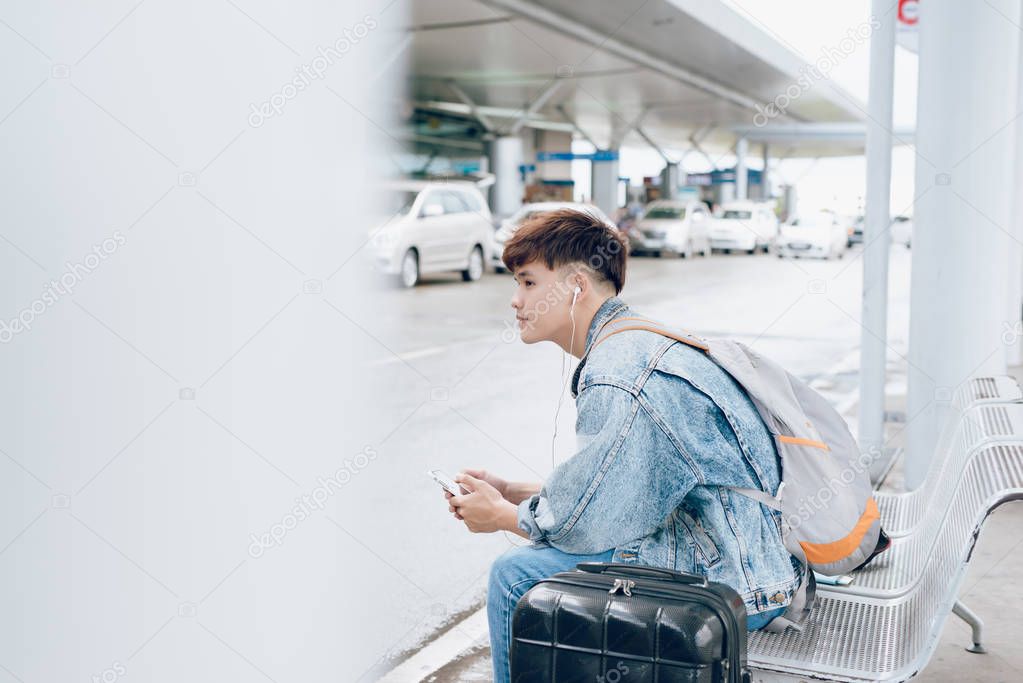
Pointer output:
609, 622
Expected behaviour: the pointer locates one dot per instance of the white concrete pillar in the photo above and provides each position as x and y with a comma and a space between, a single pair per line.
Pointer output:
604, 174
670, 180
1014, 300
964, 187
726, 192
790, 201
765, 179
876, 237
505, 159
161, 413
553, 141
741, 147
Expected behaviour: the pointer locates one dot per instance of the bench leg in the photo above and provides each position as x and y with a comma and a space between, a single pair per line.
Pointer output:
967, 615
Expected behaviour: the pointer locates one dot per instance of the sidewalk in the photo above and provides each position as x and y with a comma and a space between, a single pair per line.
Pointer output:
993, 588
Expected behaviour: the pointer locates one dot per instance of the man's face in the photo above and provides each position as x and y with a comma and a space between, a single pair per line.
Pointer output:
542, 301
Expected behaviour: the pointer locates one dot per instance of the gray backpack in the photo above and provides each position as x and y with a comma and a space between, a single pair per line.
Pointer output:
830, 520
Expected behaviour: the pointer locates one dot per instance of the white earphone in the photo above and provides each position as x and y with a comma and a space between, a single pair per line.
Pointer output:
564, 356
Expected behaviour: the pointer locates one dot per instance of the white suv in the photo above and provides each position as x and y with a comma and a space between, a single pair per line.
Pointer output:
672, 226
436, 227
745, 226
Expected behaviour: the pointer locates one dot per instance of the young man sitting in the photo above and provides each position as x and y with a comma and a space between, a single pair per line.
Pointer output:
663, 433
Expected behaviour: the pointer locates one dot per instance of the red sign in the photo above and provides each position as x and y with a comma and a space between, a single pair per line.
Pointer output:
909, 12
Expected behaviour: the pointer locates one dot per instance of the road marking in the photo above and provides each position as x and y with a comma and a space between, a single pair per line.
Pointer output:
431, 350
409, 355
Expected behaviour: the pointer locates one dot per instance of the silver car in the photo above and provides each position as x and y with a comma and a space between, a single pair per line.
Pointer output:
436, 227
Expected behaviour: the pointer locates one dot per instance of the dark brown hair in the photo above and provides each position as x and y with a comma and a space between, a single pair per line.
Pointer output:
565, 236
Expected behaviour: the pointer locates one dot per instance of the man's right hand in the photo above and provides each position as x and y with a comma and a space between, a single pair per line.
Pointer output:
500, 484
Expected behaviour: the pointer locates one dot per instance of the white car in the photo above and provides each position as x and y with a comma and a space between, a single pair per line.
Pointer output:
902, 230
822, 234
675, 227
512, 223
744, 226
435, 227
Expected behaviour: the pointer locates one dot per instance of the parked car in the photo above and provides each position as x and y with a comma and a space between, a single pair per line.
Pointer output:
512, 223
856, 236
822, 234
674, 227
743, 225
902, 230
436, 227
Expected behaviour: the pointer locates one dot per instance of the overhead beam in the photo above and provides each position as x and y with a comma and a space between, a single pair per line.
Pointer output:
474, 109
540, 100
646, 138
469, 23
819, 132
536, 121
569, 27
622, 128
575, 125
442, 141
699, 136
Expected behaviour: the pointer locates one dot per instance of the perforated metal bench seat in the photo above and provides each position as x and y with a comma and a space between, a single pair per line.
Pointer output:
992, 470
851, 637
977, 426
997, 389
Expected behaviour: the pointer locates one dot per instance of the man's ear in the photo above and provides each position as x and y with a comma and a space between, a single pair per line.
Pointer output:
578, 280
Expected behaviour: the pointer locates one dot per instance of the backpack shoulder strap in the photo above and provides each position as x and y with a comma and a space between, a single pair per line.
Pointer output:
616, 325
635, 323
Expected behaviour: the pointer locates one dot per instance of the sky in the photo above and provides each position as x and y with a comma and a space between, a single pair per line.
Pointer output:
807, 27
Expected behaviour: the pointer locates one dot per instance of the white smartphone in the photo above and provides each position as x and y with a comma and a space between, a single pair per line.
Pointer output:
843, 580
447, 483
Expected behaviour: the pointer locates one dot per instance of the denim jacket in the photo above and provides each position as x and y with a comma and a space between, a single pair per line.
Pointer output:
662, 433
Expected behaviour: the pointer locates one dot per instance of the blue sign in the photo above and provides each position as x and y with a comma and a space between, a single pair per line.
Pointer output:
726, 175
599, 155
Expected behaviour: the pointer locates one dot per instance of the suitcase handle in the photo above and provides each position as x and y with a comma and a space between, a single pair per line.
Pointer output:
641, 570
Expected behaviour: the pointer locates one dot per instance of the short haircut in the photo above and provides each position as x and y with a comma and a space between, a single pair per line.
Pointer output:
563, 237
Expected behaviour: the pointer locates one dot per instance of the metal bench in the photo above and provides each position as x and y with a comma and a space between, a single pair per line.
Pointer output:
886, 625
971, 393
850, 637
998, 389
979, 425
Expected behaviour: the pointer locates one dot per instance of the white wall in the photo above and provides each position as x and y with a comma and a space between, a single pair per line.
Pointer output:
206, 369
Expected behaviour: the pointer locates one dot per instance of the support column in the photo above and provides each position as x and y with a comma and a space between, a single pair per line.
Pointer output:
876, 237
1014, 302
791, 201
765, 180
505, 159
740, 169
669, 180
964, 189
604, 181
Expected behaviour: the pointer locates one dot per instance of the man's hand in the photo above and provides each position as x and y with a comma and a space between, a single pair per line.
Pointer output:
483, 509
499, 484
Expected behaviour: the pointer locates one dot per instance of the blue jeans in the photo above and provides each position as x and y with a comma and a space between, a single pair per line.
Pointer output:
518, 570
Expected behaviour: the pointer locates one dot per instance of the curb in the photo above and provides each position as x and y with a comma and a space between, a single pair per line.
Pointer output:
463, 637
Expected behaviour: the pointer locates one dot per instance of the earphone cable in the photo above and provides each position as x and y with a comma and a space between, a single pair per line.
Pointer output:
564, 385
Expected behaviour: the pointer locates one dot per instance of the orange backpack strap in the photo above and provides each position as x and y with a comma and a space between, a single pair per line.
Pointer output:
634, 323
